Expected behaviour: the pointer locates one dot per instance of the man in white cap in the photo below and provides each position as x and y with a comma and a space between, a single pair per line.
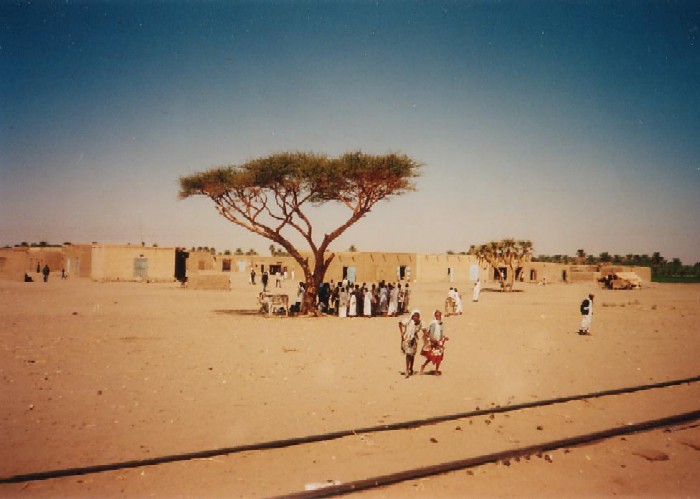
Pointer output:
434, 343
410, 329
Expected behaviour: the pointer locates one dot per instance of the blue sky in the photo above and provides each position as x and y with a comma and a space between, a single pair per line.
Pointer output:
573, 124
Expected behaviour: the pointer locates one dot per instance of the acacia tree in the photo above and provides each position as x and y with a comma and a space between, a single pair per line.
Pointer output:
270, 196
507, 252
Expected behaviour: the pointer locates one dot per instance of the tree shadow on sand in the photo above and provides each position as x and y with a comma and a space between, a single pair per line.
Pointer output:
248, 313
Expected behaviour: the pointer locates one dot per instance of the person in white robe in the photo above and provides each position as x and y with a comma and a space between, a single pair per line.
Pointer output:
477, 291
343, 302
393, 301
352, 304
367, 309
458, 302
383, 300
410, 329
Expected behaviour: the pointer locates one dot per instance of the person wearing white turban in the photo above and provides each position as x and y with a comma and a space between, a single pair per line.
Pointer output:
434, 343
410, 329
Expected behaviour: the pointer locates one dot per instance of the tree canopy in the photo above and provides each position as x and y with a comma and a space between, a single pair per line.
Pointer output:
507, 252
269, 196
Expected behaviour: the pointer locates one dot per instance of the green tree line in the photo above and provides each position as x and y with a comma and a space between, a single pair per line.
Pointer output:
660, 266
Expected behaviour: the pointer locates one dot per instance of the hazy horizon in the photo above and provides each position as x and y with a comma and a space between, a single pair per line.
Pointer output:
233, 251
574, 126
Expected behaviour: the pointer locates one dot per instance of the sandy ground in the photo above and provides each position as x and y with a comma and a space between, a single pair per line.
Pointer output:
96, 373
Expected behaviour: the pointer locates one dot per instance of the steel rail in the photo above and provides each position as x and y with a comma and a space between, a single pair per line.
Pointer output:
278, 444
461, 464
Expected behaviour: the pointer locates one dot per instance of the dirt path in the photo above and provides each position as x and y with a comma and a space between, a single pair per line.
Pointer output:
97, 373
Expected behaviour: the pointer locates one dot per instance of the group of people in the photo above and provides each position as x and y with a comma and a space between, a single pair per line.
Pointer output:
453, 302
280, 277
433, 336
44, 271
433, 346
346, 299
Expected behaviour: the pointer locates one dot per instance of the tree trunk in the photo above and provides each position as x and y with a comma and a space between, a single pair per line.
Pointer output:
511, 278
313, 283
310, 298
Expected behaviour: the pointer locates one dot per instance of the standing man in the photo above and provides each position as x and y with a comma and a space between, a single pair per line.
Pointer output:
477, 291
434, 343
264, 280
393, 301
252, 276
586, 315
410, 330
458, 302
301, 291
45, 271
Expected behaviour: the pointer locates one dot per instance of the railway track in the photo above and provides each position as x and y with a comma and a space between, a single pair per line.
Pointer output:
505, 456
552, 413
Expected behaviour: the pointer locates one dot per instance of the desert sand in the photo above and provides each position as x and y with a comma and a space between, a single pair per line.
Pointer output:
97, 373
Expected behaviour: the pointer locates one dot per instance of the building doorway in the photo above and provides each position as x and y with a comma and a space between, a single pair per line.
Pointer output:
141, 267
520, 274
349, 274
181, 265
401, 272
